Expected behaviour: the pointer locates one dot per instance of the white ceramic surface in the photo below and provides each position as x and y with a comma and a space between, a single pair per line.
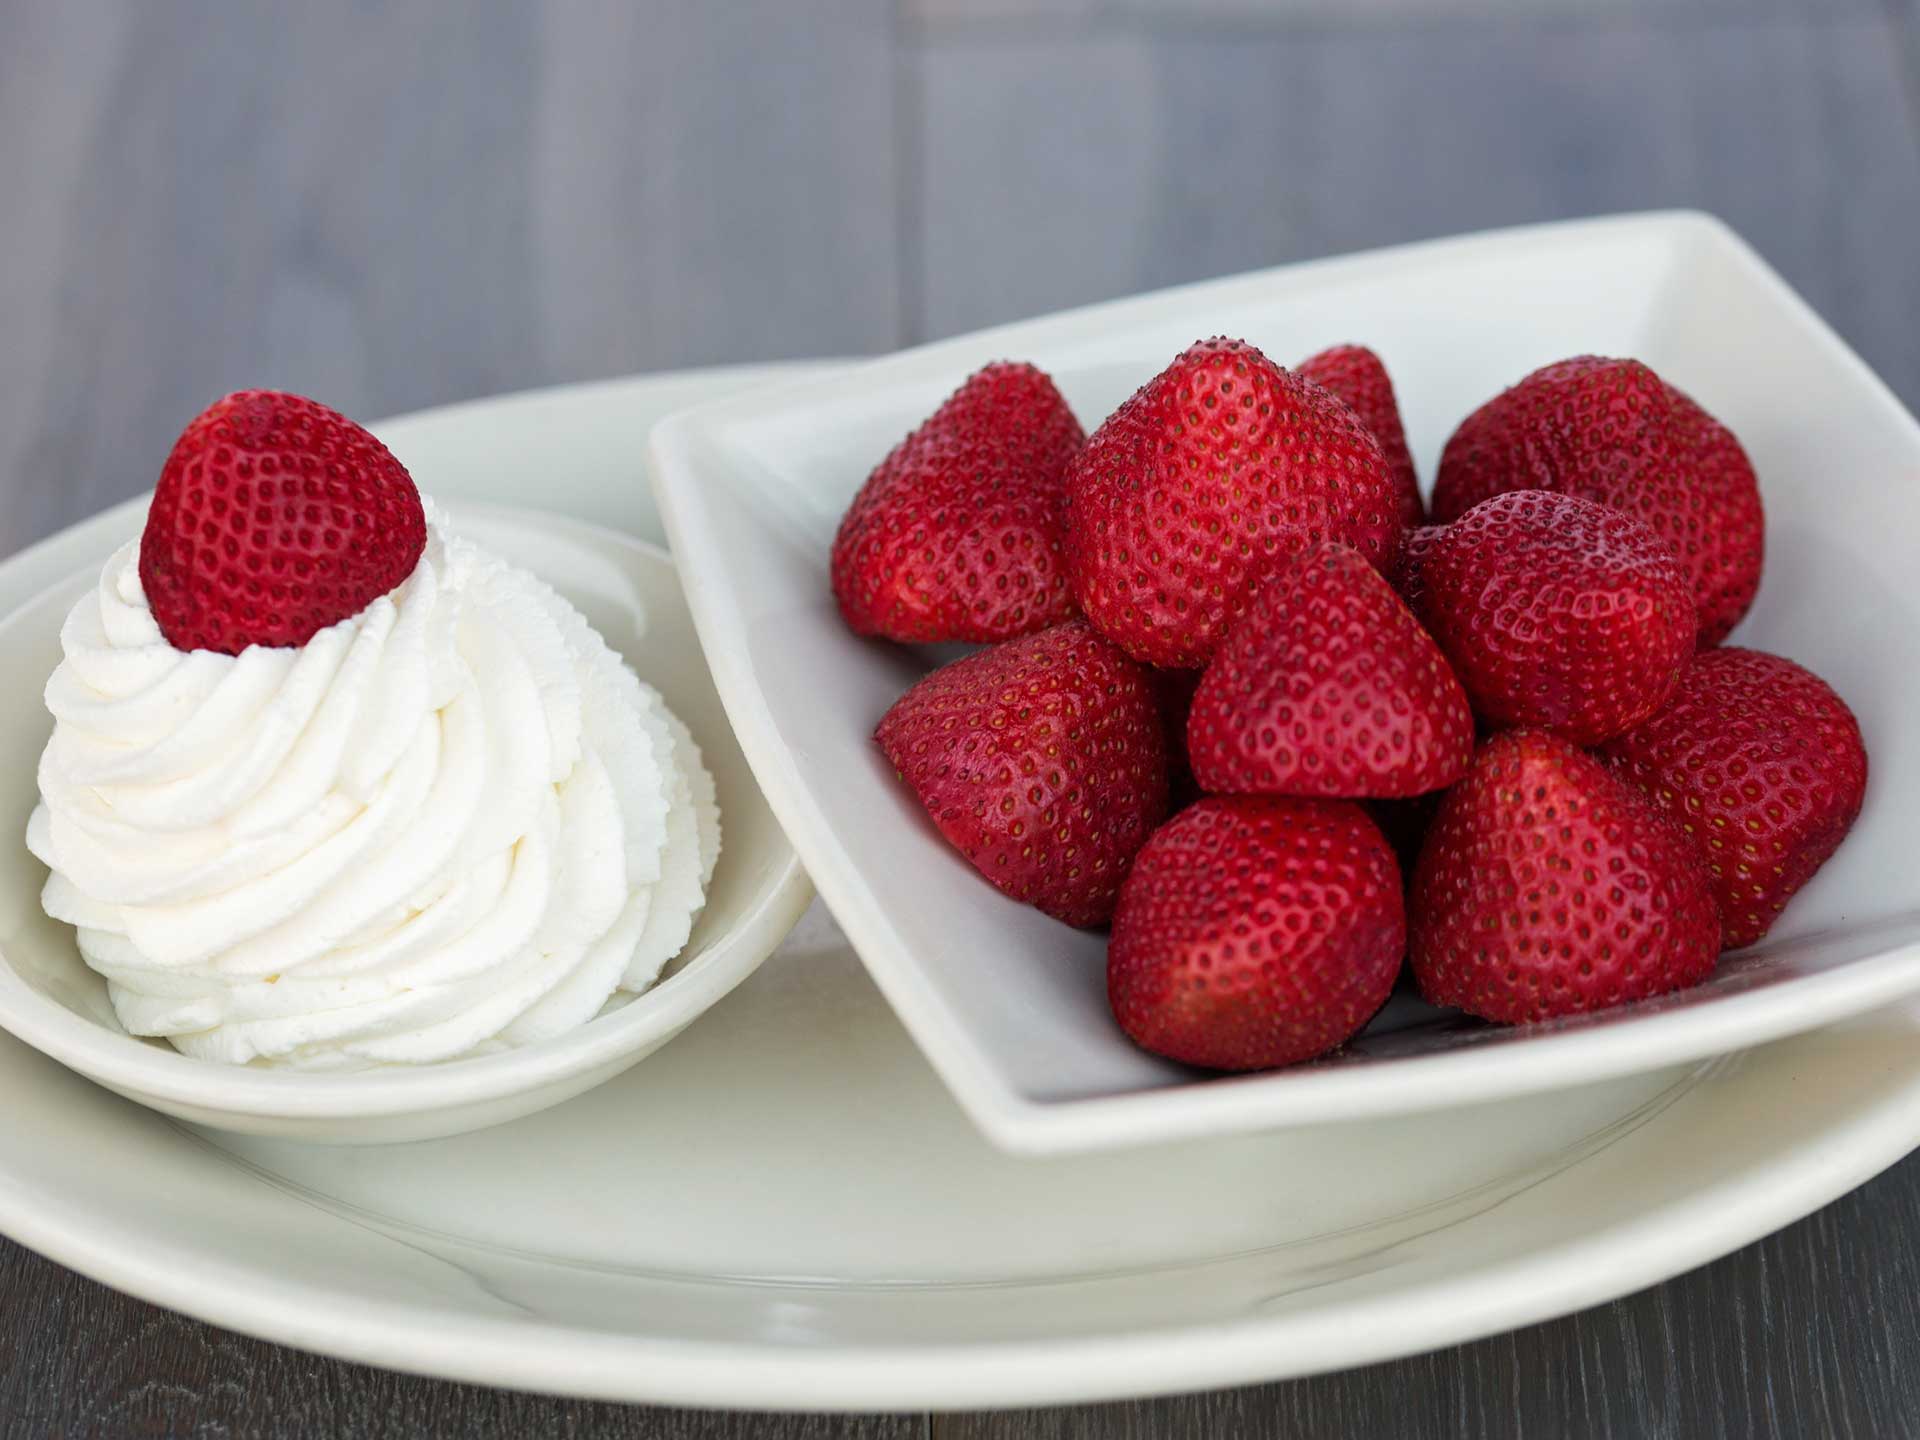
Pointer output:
627, 589
785, 1209
1011, 1006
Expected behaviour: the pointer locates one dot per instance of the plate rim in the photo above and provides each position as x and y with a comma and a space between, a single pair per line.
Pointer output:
417, 1338
525, 1354
1238, 1105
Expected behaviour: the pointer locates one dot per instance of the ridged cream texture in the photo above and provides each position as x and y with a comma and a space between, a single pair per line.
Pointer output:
454, 823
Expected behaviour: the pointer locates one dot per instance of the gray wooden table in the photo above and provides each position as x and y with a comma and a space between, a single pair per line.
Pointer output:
394, 203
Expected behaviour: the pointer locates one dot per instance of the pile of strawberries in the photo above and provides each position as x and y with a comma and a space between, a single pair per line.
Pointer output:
1228, 603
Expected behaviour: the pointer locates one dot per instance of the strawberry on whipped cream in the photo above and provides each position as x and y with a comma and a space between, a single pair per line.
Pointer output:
450, 822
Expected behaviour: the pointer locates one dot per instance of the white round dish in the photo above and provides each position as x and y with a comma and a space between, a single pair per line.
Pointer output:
786, 1209
628, 590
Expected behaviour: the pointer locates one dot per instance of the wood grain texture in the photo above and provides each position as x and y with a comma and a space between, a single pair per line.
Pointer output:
1276, 14
1169, 158
431, 202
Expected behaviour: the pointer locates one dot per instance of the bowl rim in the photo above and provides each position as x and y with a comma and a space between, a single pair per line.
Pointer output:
686, 449
130, 1063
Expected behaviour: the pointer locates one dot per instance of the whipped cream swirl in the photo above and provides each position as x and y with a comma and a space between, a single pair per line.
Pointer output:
453, 823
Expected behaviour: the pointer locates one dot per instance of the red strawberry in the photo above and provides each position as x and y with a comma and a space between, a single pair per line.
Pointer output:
1613, 431
1328, 686
1256, 931
1762, 765
274, 518
1173, 690
1197, 488
1559, 613
1356, 375
1407, 571
1404, 823
960, 533
1042, 761
1548, 886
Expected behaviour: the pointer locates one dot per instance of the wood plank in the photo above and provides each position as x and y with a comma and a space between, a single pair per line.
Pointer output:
1059, 14
1066, 169
429, 203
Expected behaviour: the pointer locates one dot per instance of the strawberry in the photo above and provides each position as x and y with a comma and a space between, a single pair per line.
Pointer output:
1256, 931
1199, 486
1328, 686
1404, 823
1407, 576
1042, 761
1173, 690
1559, 613
960, 532
1613, 431
1762, 765
1356, 375
1548, 886
274, 518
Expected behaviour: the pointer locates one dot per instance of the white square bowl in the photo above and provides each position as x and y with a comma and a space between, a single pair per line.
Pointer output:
1009, 1005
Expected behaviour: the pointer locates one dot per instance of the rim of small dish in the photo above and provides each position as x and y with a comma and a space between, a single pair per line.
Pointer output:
127, 1062
1684, 1028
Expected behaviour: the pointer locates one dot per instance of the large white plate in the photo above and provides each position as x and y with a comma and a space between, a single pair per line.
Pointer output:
785, 1209
1011, 1006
